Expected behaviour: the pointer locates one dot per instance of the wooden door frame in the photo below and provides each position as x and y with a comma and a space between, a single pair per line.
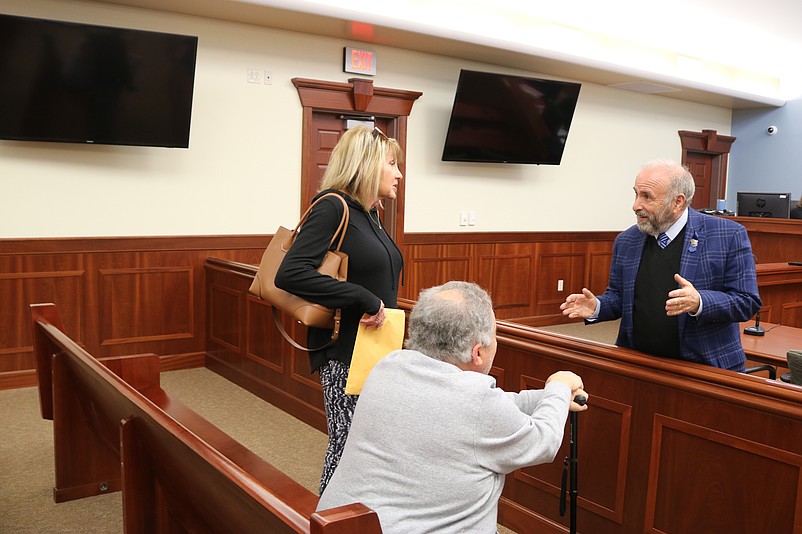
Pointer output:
358, 96
717, 150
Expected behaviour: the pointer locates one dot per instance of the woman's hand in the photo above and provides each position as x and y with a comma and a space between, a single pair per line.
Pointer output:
376, 320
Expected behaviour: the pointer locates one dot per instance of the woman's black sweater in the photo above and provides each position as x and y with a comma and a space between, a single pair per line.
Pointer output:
374, 267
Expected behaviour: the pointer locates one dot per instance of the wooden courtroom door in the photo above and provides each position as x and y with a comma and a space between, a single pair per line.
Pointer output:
699, 166
325, 131
705, 154
327, 106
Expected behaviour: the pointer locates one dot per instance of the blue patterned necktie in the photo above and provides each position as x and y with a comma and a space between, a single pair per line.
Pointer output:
662, 240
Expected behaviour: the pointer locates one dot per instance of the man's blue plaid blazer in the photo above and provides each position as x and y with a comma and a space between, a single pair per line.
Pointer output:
717, 259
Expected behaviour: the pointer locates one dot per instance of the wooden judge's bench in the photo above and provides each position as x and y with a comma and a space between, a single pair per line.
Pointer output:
775, 243
780, 286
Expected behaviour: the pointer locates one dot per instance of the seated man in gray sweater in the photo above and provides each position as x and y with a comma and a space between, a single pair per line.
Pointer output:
432, 437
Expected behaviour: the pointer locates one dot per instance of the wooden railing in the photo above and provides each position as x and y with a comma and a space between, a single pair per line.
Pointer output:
666, 446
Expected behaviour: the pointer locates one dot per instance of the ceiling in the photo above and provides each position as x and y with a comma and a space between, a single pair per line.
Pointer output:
764, 27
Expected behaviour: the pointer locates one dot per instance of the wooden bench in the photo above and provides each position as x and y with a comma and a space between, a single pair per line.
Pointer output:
115, 428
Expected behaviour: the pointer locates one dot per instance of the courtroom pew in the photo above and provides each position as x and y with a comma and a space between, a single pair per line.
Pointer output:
115, 428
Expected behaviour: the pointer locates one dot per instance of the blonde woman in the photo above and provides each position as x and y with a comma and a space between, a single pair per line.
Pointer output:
363, 169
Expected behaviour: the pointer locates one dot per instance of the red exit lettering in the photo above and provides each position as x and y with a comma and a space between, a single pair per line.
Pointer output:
362, 60
359, 61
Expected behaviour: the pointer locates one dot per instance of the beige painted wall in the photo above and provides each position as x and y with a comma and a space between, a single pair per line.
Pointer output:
241, 172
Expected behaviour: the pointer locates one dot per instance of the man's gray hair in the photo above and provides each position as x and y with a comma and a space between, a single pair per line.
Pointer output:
680, 180
448, 320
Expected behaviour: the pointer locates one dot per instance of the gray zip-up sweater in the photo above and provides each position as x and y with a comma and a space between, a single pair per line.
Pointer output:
430, 444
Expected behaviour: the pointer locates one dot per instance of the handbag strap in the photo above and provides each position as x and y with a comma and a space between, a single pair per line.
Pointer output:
341, 229
343, 226
335, 333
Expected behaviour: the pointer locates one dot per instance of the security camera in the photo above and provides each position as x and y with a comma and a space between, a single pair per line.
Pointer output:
771, 130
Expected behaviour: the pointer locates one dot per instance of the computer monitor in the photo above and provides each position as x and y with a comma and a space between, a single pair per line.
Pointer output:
774, 205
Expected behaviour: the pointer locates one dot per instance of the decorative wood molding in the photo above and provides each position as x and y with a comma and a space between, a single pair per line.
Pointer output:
363, 93
354, 96
706, 141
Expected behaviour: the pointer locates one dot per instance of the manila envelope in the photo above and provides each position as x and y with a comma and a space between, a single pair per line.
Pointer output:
373, 344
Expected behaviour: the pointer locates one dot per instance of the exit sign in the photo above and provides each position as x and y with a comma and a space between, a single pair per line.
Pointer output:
359, 61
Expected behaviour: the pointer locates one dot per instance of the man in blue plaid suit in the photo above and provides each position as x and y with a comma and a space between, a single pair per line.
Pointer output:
681, 281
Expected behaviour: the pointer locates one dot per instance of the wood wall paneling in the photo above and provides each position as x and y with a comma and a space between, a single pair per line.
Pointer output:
558, 262
131, 295
520, 271
24, 280
145, 304
116, 296
430, 266
507, 272
598, 273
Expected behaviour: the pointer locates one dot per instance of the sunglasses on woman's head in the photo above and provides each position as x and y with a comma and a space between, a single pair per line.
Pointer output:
377, 133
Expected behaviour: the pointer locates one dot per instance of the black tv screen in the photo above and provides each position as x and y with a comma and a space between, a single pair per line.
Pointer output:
80, 83
774, 205
502, 118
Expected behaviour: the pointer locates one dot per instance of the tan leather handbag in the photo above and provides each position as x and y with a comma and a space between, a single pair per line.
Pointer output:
335, 264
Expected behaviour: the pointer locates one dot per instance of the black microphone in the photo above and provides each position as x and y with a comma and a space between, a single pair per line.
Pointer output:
755, 330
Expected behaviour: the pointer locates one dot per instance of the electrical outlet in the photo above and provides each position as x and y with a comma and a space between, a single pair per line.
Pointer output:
463, 218
254, 76
559, 285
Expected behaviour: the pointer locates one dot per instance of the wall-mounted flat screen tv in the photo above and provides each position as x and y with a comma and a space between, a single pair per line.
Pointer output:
774, 205
502, 118
79, 83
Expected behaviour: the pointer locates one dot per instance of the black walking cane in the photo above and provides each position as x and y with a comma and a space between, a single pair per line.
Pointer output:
572, 460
